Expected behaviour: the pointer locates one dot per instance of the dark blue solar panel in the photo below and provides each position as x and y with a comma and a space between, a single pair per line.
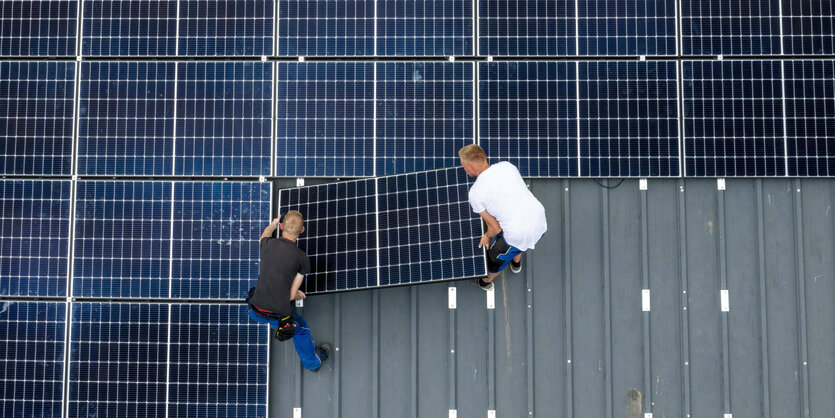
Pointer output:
34, 237
118, 359
129, 27
422, 28
126, 118
36, 111
810, 117
325, 119
122, 239
421, 221
226, 28
224, 115
215, 238
325, 27
424, 115
626, 27
427, 230
733, 118
38, 28
628, 119
32, 360
808, 27
340, 233
528, 116
527, 27
730, 27
218, 362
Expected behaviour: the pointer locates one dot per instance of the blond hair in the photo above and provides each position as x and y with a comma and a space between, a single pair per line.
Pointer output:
293, 223
472, 152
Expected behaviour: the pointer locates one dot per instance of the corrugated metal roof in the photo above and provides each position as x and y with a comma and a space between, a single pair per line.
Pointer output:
568, 336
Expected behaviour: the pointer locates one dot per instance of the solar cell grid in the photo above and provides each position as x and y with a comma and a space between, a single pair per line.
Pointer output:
808, 27
36, 117
34, 237
528, 116
424, 28
122, 239
325, 119
224, 119
226, 27
126, 118
424, 115
38, 28
129, 28
628, 119
118, 359
218, 359
527, 27
730, 27
810, 117
215, 237
733, 118
326, 27
32, 364
626, 27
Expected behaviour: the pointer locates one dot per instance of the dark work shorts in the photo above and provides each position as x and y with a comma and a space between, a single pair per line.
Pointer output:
500, 253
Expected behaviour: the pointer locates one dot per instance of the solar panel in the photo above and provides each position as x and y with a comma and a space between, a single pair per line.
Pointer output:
118, 359
325, 27
424, 115
34, 237
224, 119
36, 111
126, 118
808, 27
122, 239
528, 116
38, 28
626, 27
226, 27
527, 27
385, 231
129, 28
325, 119
424, 28
217, 363
733, 118
215, 237
628, 119
810, 117
730, 27
32, 364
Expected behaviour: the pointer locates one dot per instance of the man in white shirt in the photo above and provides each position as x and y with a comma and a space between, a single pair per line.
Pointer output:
515, 219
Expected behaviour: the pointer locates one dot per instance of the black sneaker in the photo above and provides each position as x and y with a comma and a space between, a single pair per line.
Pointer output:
515, 267
323, 351
480, 283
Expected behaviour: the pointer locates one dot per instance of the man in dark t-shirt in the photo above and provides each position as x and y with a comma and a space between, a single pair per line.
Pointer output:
283, 266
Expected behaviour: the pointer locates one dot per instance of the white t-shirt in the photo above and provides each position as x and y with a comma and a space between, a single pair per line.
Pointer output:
501, 191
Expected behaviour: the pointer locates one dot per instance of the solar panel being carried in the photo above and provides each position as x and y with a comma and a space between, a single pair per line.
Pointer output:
409, 228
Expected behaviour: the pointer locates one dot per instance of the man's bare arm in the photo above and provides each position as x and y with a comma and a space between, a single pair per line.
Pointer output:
268, 231
295, 293
493, 229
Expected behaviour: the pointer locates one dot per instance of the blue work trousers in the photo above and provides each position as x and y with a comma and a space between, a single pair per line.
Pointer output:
302, 340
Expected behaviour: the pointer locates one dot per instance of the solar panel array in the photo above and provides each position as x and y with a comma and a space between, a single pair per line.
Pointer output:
135, 135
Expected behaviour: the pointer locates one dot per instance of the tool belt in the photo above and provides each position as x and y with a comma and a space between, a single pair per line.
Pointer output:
286, 326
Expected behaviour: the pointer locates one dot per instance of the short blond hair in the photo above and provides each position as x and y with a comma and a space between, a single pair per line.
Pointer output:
472, 152
293, 223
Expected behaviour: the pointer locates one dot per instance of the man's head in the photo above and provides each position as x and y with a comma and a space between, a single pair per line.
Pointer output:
473, 159
293, 225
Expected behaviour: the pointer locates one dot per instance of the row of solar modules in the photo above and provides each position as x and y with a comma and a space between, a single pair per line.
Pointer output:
415, 28
334, 119
199, 240
131, 359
